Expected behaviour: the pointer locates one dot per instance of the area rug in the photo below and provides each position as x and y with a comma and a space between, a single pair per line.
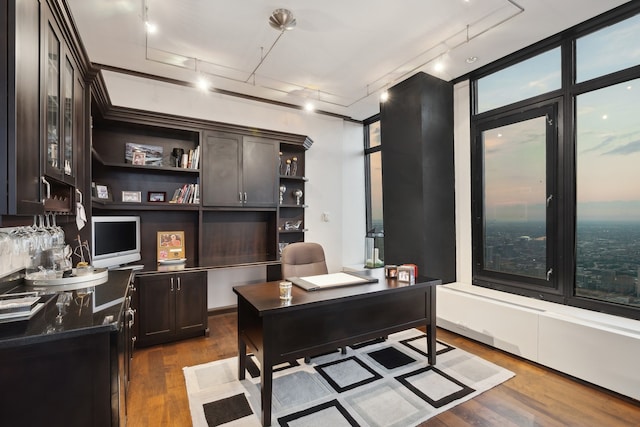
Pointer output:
377, 383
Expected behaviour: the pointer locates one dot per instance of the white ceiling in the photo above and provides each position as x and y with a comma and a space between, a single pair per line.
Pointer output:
341, 55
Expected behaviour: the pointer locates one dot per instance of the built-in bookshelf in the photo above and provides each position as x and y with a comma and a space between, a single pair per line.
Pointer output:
171, 188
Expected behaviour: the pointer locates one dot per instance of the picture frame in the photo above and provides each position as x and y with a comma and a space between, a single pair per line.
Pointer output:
156, 196
406, 273
138, 158
131, 196
170, 245
102, 192
153, 154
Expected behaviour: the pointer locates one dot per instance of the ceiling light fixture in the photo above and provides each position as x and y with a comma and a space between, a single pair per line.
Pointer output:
471, 59
309, 106
282, 20
384, 96
149, 26
203, 84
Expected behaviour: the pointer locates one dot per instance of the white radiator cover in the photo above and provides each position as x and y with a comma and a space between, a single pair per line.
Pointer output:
601, 349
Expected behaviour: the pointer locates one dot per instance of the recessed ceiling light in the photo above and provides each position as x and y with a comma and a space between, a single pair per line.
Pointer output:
309, 106
471, 59
384, 96
203, 84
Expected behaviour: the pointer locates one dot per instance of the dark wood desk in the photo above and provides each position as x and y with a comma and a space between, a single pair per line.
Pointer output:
321, 321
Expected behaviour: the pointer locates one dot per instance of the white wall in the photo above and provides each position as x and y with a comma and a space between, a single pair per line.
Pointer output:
334, 164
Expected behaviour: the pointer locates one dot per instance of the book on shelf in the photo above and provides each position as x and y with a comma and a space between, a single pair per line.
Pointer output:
193, 158
188, 193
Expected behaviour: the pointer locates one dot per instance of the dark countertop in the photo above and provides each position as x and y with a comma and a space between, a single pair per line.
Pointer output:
79, 317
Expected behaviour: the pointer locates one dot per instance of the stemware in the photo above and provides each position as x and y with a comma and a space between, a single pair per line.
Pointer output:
57, 232
6, 250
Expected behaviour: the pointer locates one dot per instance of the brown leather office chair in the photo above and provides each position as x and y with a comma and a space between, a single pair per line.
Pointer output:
303, 259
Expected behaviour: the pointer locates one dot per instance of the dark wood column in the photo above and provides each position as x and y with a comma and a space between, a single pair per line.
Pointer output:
418, 176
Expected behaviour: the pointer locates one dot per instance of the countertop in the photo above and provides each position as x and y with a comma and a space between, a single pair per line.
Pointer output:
79, 316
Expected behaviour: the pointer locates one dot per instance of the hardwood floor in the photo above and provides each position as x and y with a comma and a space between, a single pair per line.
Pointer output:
536, 396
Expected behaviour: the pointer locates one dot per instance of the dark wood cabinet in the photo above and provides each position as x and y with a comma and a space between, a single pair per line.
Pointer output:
222, 179
21, 188
171, 306
418, 181
241, 171
42, 121
61, 94
68, 370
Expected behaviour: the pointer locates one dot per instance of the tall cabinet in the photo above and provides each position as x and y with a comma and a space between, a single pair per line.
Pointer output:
418, 183
43, 128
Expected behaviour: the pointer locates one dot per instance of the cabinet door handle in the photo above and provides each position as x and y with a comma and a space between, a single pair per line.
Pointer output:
240, 196
245, 197
178, 283
172, 284
48, 192
132, 318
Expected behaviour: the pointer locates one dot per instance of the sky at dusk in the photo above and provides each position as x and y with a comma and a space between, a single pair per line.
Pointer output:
607, 139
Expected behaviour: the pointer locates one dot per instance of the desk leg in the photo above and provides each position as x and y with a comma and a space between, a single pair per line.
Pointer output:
242, 358
266, 380
431, 326
431, 344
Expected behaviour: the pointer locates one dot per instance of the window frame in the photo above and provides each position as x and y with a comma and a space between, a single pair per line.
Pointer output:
564, 215
368, 150
505, 281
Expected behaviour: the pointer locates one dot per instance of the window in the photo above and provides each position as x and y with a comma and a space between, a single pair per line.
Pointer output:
608, 194
556, 204
610, 49
514, 214
535, 76
373, 168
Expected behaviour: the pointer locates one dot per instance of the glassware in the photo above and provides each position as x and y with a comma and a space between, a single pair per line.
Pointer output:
6, 251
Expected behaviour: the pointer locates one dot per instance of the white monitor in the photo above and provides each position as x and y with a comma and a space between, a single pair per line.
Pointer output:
115, 240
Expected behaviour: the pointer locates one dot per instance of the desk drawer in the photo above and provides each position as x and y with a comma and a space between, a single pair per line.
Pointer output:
348, 322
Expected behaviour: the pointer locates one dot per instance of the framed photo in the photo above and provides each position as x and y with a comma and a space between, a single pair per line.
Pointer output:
131, 196
406, 273
170, 245
102, 192
157, 196
138, 158
152, 153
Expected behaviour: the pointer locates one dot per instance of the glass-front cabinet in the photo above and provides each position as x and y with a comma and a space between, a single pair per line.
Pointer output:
53, 99
67, 119
59, 103
62, 113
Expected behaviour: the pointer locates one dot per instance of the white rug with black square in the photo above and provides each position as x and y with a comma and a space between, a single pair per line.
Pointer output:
378, 383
